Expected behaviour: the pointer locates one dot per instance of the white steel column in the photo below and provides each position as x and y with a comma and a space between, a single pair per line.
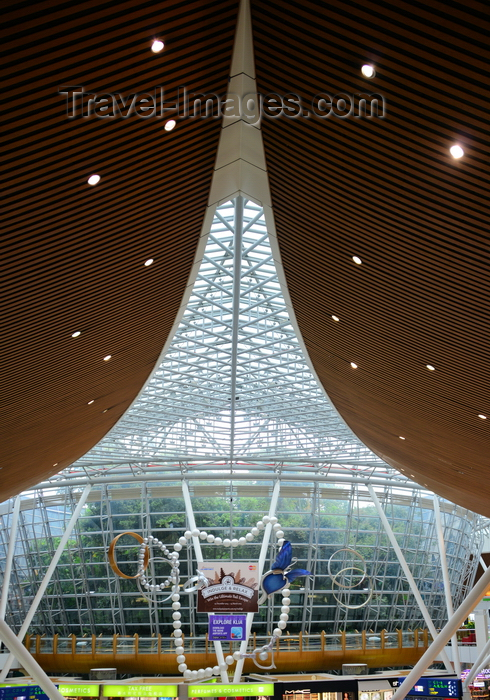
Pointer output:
10, 557
479, 663
467, 606
47, 577
30, 664
199, 558
262, 558
408, 574
446, 581
237, 278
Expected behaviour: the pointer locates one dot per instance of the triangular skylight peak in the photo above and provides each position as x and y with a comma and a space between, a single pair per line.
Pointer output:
234, 383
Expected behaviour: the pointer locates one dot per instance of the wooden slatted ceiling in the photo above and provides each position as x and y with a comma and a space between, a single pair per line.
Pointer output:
73, 255
388, 191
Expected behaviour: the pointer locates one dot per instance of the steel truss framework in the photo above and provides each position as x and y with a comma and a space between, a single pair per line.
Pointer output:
234, 384
86, 597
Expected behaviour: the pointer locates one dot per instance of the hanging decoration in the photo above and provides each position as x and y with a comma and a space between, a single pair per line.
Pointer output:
276, 579
350, 577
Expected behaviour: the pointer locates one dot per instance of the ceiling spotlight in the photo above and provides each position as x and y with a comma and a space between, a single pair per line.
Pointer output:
148, 262
335, 318
157, 46
480, 415
402, 438
93, 179
353, 365
76, 334
368, 71
430, 367
456, 151
90, 402
170, 125
55, 464
357, 260
107, 358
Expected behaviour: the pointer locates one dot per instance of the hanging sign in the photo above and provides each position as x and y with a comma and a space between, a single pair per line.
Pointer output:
227, 627
232, 587
231, 690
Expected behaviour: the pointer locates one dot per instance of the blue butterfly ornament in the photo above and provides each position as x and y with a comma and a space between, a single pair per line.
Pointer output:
280, 575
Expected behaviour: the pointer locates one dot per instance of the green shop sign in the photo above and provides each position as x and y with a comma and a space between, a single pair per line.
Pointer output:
140, 691
86, 689
228, 689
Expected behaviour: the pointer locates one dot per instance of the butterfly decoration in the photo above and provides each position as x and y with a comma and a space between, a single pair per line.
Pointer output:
280, 575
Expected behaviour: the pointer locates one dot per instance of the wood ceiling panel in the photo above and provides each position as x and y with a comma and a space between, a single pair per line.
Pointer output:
73, 255
388, 191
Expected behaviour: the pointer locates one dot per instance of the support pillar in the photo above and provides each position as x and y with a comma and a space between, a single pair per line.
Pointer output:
10, 558
47, 577
408, 574
481, 627
218, 648
262, 557
466, 607
30, 664
446, 581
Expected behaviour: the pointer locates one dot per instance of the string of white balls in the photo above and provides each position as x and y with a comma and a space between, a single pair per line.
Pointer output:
173, 580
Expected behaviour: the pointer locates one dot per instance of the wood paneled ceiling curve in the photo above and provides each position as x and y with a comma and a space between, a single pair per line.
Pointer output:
73, 255
388, 191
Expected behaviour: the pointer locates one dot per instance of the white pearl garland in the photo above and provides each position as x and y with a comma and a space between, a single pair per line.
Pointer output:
174, 579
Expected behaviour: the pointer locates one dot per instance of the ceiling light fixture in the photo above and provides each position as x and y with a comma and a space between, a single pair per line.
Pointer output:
93, 179
91, 402
335, 318
357, 260
456, 151
107, 358
170, 125
55, 464
368, 70
148, 262
353, 365
157, 45
480, 415
430, 367
402, 438
76, 334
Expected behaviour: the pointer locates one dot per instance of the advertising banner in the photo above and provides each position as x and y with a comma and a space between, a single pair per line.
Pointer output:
233, 587
227, 627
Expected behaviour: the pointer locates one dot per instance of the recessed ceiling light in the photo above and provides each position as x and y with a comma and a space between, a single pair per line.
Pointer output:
55, 464
91, 402
93, 179
480, 415
368, 70
170, 125
456, 151
148, 262
107, 358
157, 46
335, 318
76, 334
413, 476
430, 367
402, 438
353, 365
357, 260
105, 410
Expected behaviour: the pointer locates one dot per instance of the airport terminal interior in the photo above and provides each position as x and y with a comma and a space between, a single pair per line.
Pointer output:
245, 338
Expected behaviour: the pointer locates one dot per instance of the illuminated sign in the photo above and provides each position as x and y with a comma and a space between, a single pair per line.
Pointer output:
85, 689
437, 687
140, 691
22, 691
229, 689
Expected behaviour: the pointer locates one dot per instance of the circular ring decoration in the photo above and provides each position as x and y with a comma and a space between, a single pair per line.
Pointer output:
349, 588
352, 551
112, 554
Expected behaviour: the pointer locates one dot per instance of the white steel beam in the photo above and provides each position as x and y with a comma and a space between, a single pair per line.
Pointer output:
446, 581
47, 577
10, 557
466, 607
408, 574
